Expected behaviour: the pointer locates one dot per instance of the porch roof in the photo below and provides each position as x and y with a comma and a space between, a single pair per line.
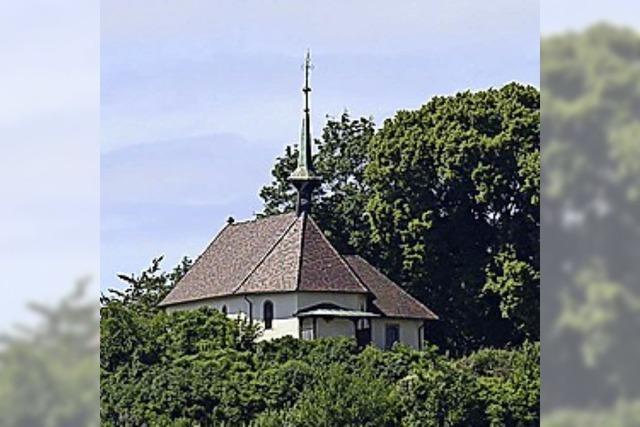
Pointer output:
336, 312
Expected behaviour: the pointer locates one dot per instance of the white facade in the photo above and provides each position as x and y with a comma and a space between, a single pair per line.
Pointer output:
285, 323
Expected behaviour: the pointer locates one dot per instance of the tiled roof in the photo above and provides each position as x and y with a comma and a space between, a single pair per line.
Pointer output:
337, 312
284, 253
390, 298
322, 268
230, 258
278, 253
278, 271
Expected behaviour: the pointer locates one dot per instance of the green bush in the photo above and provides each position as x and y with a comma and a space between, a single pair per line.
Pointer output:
509, 383
281, 385
342, 398
439, 395
397, 364
200, 368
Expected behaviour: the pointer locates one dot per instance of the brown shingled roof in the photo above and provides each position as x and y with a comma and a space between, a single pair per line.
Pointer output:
278, 253
322, 267
390, 298
278, 271
284, 253
230, 258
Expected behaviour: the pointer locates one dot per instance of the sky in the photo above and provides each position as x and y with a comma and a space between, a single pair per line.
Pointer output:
198, 98
49, 133
559, 16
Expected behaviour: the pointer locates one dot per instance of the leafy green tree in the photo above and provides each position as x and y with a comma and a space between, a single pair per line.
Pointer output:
163, 368
454, 212
192, 364
397, 364
440, 395
145, 291
284, 383
509, 384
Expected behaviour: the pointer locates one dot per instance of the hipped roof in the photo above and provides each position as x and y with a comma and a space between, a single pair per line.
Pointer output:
279, 253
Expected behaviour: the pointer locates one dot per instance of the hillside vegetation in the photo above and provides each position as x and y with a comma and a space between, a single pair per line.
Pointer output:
200, 368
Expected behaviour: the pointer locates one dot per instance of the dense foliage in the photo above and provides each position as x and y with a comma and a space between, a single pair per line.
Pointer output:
455, 211
200, 368
444, 199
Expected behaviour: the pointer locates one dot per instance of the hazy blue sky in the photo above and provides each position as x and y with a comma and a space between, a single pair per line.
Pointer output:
199, 97
565, 15
49, 131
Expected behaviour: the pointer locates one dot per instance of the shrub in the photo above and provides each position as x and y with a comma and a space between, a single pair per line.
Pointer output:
442, 394
510, 384
282, 385
200, 368
340, 398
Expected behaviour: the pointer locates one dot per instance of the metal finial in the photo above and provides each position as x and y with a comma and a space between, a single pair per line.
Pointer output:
308, 66
304, 177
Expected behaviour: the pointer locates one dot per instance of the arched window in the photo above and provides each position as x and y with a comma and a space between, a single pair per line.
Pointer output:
224, 310
267, 314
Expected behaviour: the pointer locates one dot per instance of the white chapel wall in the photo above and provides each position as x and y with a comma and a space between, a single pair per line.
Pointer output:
335, 328
286, 304
409, 331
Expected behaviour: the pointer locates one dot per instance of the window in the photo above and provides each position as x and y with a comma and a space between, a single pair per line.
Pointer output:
308, 331
224, 310
391, 335
363, 324
267, 314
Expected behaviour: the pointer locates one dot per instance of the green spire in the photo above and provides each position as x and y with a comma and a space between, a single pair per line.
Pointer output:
304, 178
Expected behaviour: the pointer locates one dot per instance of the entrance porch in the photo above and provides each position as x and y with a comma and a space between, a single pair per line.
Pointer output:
331, 320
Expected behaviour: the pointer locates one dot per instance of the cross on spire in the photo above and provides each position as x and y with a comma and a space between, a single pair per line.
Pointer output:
304, 178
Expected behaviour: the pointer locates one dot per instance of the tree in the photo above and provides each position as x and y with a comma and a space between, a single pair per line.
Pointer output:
509, 384
454, 212
146, 290
440, 395
339, 397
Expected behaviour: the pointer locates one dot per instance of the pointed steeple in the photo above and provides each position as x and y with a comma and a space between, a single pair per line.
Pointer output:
304, 178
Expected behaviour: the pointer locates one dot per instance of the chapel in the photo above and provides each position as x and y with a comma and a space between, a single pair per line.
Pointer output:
282, 272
